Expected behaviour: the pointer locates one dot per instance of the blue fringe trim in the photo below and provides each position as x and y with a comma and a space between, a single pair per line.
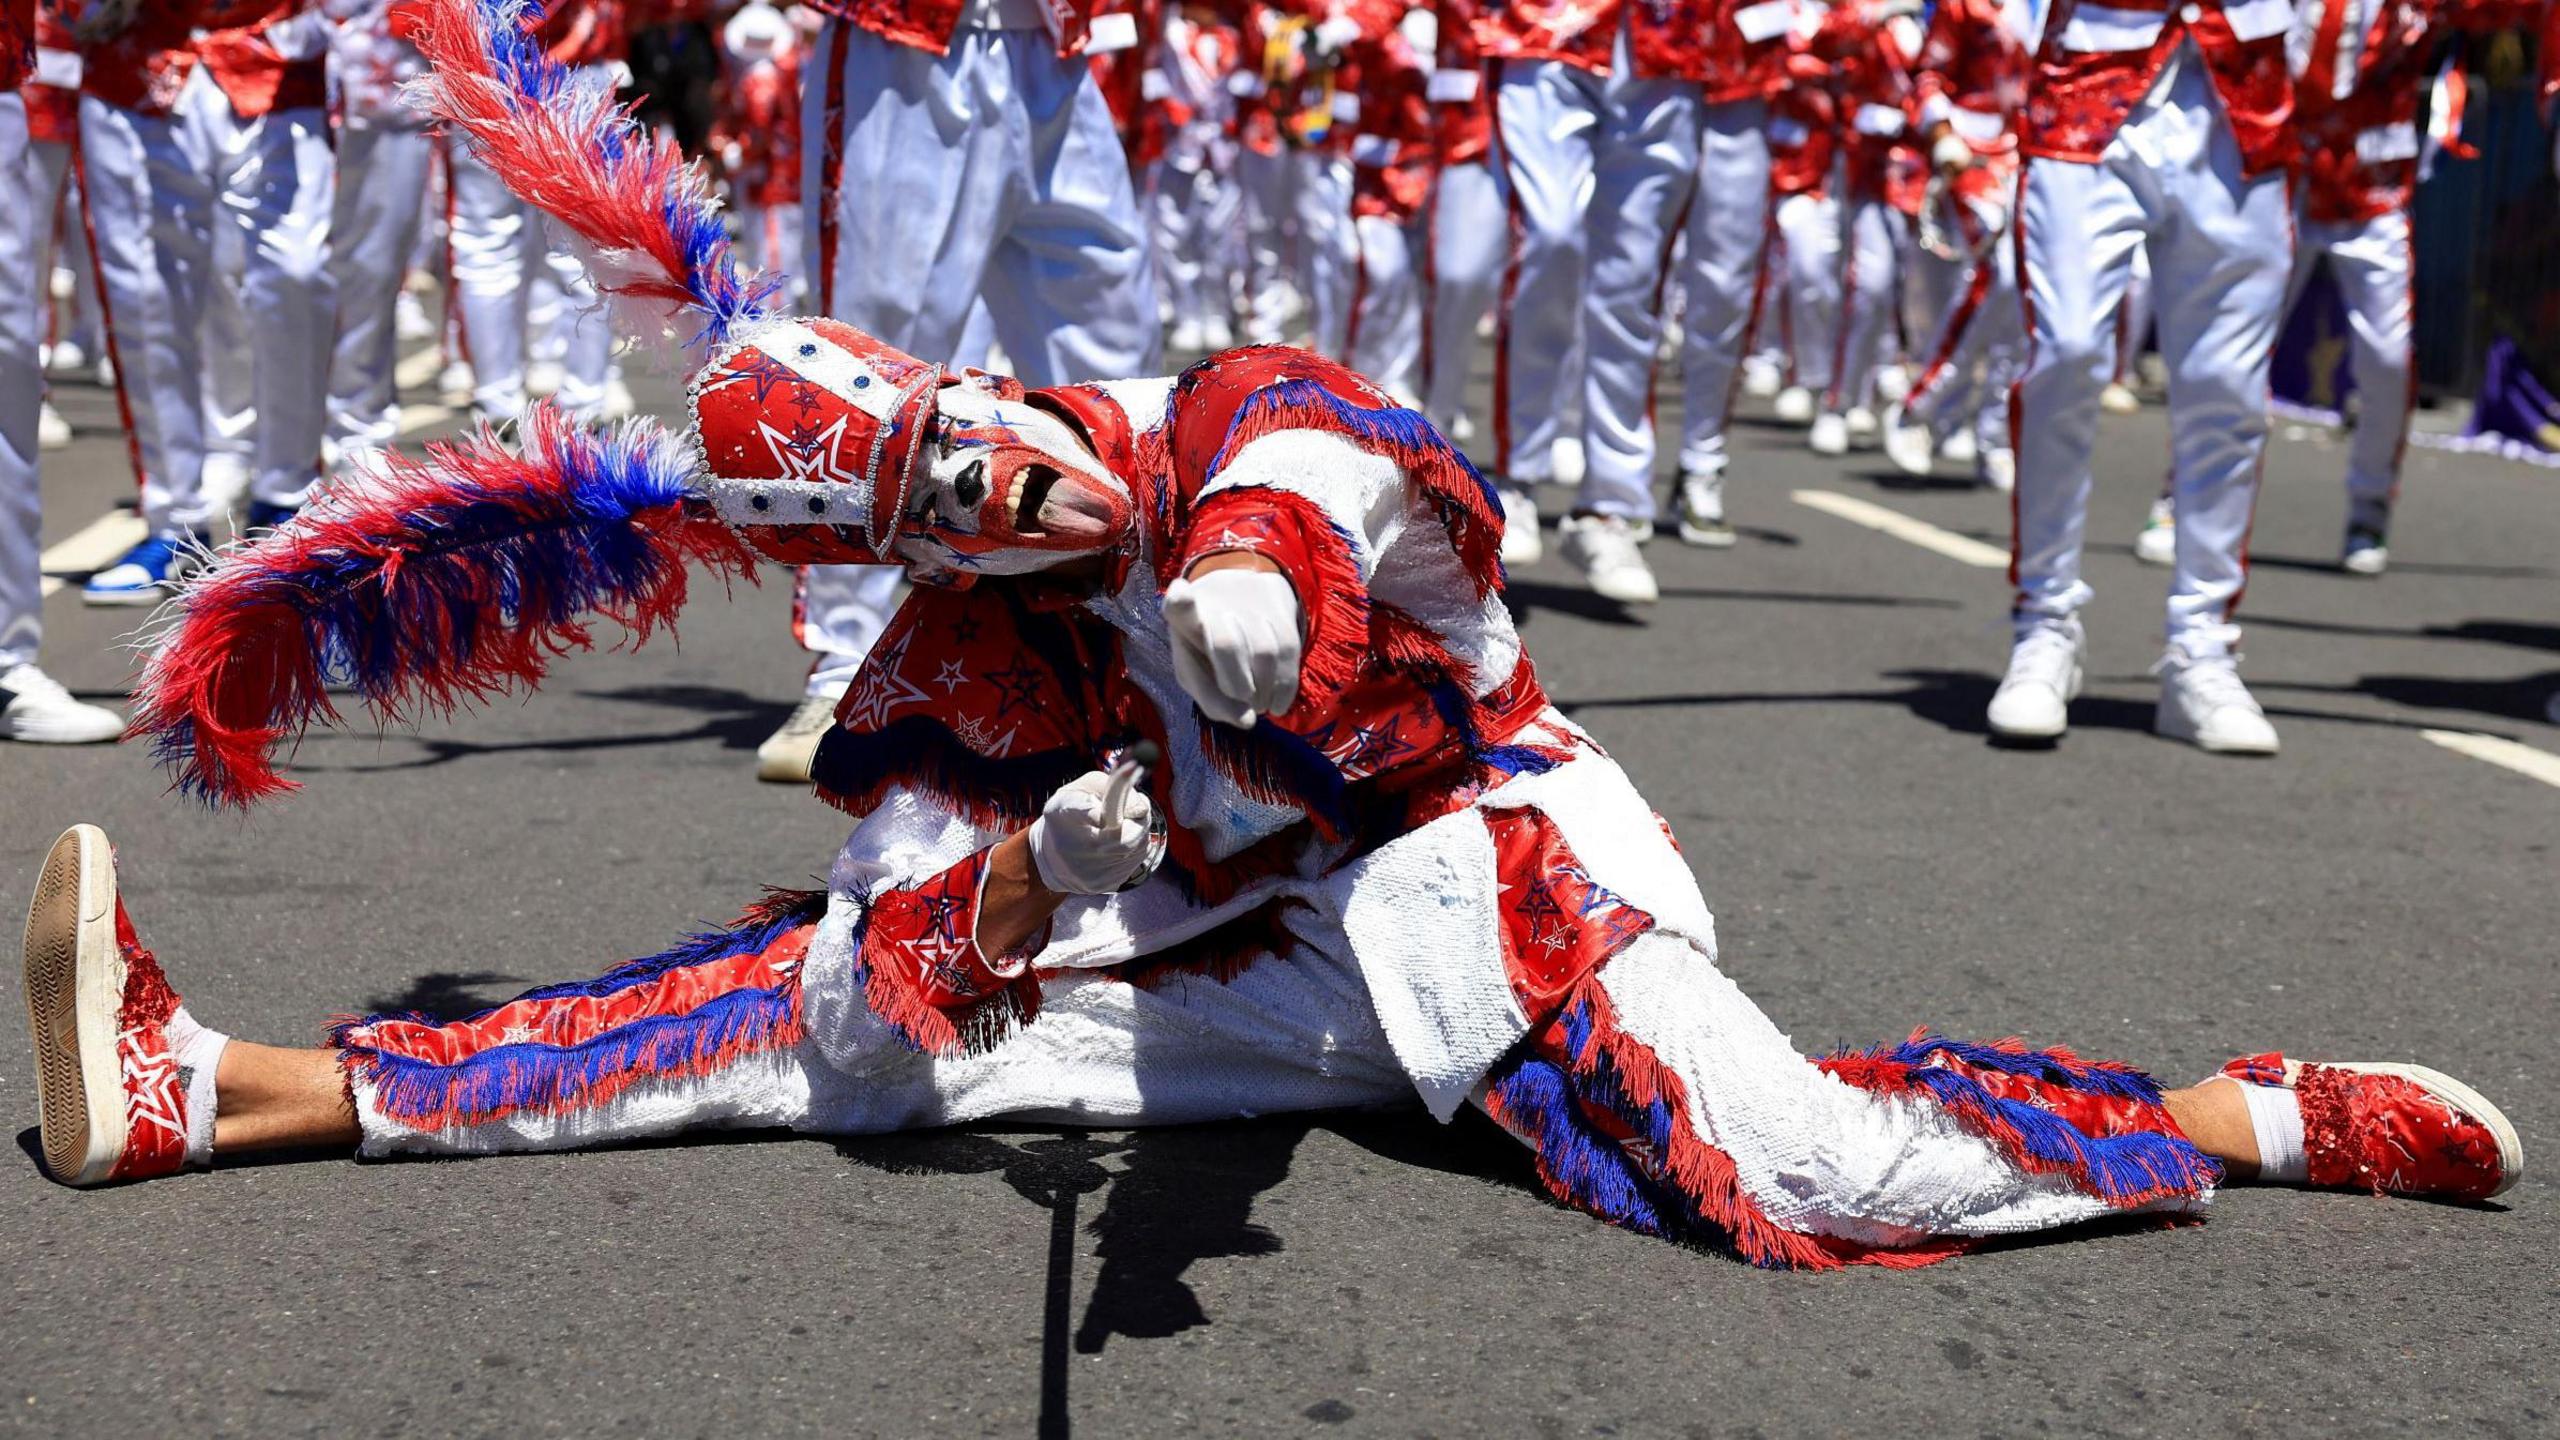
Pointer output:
1590, 1168
1404, 430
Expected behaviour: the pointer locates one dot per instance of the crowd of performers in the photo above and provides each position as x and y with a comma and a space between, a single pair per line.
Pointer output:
1201, 772
1946, 228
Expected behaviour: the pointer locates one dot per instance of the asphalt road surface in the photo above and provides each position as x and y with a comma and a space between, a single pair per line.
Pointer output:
1805, 708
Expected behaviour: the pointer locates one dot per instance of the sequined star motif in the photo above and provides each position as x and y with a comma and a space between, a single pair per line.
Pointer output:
951, 676
1021, 685
881, 688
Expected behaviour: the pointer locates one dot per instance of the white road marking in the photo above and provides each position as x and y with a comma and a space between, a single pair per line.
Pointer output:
1959, 548
94, 547
422, 417
418, 368
2523, 759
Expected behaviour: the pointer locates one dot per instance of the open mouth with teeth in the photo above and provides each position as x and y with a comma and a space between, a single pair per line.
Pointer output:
1039, 503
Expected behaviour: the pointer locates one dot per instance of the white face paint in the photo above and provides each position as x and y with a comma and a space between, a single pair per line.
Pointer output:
1008, 488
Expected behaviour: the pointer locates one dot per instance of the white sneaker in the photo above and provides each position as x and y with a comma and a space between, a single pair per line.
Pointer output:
1463, 428
2119, 400
2158, 542
1961, 449
2365, 553
454, 383
1998, 469
1568, 459
35, 708
52, 431
1702, 519
1189, 337
2204, 702
543, 377
1218, 334
409, 318
786, 755
65, 357
1908, 444
1793, 405
1829, 435
1761, 377
1862, 426
1893, 384
1603, 548
106, 372
1521, 542
2034, 698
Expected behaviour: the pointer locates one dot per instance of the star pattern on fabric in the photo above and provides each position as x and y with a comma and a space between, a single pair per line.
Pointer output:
1020, 685
1373, 748
153, 1095
759, 372
980, 735
951, 676
807, 454
881, 687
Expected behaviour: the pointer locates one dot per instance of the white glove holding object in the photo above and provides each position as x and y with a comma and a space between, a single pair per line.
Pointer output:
1236, 645
1951, 154
1081, 850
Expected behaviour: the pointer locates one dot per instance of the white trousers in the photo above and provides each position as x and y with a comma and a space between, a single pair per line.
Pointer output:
1872, 237
23, 225
991, 172
64, 244
1977, 342
1196, 213
2220, 246
1670, 166
1386, 338
1469, 246
770, 238
1809, 232
160, 189
1328, 250
382, 198
499, 243
1268, 187
2376, 270
1547, 117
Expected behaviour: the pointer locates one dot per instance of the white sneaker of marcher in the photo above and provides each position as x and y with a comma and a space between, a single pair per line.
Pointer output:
1829, 435
1908, 443
2034, 698
1961, 449
2157, 544
1521, 542
543, 377
1603, 548
2203, 702
1998, 469
1893, 384
1702, 519
52, 431
1862, 426
1761, 377
454, 382
35, 708
1568, 458
787, 754
1793, 405
1189, 337
2119, 400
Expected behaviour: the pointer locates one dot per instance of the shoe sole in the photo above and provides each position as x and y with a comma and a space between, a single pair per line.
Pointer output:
2012, 735
74, 988
2212, 747
1706, 539
151, 595
2461, 1097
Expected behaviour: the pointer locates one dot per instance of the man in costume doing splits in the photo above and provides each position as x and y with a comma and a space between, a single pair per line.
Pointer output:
1371, 861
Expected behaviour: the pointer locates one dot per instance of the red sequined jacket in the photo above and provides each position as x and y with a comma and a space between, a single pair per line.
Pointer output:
17, 43
266, 55
1734, 48
2361, 70
1089, 27
1972, 73
1461, 100
1872, 48
2097, 62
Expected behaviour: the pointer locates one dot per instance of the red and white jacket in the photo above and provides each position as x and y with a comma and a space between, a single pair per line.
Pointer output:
1804, 118
1461, 100
1972, 74
757, 134
2361, 68
1872, 48
267, 55
52, 89
17, 43
1393, 150
2098, 62
1736, 49
1081, 27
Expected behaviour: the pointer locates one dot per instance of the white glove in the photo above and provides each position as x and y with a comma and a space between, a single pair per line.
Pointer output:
1335, 35
1078, 850
1951, 153
1235, 643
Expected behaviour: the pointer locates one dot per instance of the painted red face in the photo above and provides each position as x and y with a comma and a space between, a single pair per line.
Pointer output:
1009, 487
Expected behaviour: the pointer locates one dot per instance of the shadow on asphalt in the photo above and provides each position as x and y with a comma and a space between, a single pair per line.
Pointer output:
738, 721
445, 995
1527, 597
2523, 634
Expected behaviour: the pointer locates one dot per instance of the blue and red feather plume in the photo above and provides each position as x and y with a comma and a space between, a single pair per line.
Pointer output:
429, 584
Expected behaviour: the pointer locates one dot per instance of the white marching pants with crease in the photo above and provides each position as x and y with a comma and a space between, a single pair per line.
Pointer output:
161, 189
2376, 270
1547, 116
497, 242
1670, 167
65, 245
23, 222
2221, 245
1469, 244
1870, 272
1268, 188
382, 198
1328, 250
1977, 343
1387, 328
1809, 232
771, 237
993, 172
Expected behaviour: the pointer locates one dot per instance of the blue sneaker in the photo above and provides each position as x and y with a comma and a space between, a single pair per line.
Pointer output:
149, 572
